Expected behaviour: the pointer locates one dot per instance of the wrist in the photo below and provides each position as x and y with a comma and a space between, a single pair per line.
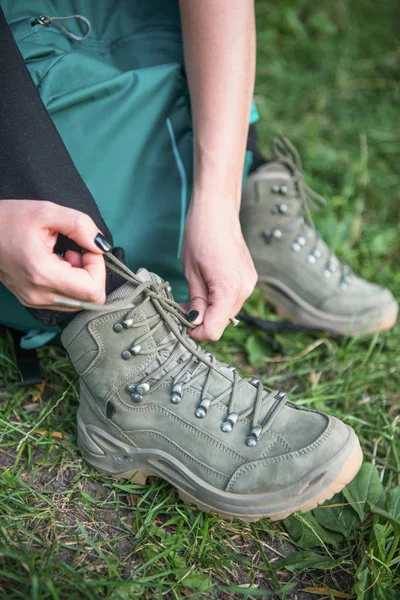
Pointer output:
214, 193
218, 175
213, 202
209, 214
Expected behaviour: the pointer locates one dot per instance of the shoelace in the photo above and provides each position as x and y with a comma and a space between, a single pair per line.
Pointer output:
310, 200
193, 364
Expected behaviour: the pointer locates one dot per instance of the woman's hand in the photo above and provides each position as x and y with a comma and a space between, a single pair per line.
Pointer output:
219, 47
28, 266
217, 266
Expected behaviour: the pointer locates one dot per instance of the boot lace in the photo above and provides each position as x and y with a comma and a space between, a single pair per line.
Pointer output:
310, 200
186, 363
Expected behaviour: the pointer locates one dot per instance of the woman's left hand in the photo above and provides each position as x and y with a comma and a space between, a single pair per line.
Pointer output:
217, 265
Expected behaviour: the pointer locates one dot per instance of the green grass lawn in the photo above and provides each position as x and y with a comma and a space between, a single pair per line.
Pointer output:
328, 78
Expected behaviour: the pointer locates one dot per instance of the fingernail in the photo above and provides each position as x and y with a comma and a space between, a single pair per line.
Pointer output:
102, 243
192, 315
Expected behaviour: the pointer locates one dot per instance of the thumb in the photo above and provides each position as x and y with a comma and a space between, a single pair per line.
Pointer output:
77, 226
198, 301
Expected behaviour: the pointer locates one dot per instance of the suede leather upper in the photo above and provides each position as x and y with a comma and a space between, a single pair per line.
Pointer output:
298, 440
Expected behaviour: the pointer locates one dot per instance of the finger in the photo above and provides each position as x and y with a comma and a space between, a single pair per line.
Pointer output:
86, 284
95, 266
214, 324
198, 300
74, 258
222, 307
89, 262
76, 225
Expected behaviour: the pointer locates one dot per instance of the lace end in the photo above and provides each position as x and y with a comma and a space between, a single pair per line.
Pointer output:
67, 302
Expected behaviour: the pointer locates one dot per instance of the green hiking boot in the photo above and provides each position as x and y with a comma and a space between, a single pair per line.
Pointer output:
154, 403
298, 273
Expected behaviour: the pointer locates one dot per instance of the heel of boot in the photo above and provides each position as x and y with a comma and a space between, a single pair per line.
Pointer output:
107, 454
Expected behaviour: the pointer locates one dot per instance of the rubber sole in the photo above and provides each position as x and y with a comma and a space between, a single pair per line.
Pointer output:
290, 306
110, 455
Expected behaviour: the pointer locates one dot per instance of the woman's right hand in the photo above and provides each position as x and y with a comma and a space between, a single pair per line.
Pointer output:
31, 270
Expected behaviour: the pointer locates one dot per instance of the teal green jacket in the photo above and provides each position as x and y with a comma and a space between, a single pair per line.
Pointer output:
120, 102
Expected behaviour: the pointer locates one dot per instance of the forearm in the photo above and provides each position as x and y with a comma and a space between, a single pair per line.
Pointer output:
219, 44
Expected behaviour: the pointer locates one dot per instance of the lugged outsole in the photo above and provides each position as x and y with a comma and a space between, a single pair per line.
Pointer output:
299, 312
349, 471
347, 474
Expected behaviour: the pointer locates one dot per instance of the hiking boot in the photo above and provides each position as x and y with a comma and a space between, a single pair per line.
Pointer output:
299, 274
152, 402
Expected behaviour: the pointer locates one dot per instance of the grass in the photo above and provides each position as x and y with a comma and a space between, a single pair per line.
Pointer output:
328, 78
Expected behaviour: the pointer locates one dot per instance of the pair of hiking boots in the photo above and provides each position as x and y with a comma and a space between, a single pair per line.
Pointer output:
155, 403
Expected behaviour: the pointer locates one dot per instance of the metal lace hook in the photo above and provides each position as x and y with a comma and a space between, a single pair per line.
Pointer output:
46, 21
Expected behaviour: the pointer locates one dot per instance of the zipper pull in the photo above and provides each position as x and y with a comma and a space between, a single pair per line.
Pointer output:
46, 21
42, 20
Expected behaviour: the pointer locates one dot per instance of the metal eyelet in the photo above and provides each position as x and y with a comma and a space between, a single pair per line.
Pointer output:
254, 436
279, 209
254, 381
330, 269
275, 189
131, 388
314, 255
127, 323
344, 282
137, 398
268, 234
127, 354
280, 395
298, 243
200, 412
202, 409
283, 189
229, 422
177, 389
142, 388
120, 326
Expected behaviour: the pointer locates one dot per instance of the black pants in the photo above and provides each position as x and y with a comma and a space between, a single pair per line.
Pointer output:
34, 163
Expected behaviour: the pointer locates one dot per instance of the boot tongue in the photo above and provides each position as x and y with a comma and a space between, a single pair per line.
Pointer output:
125, 290
279, 168
145, 275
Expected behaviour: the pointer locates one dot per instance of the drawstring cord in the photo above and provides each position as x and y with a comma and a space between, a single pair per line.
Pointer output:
47, 21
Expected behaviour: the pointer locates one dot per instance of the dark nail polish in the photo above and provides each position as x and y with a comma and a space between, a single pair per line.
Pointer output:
192, 315
102, 243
